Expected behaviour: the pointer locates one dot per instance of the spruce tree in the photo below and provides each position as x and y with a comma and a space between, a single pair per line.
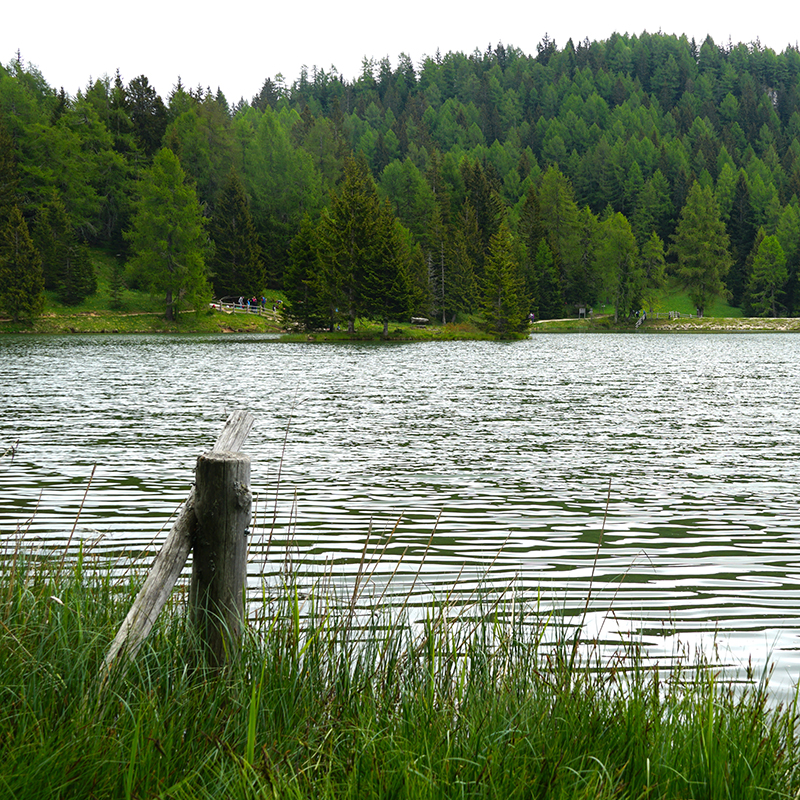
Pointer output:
741, 230
560, 218
360, 271
66, 263
549, 303
116, 285
532, 231
237, 266
654, 264
78, 280
307, 304
385, 283
747, 271
505, 306
21, 279
451, 269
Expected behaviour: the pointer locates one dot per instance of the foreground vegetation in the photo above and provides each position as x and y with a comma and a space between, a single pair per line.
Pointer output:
329, 701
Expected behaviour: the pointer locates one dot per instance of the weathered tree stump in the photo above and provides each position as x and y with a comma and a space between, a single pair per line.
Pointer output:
219, 560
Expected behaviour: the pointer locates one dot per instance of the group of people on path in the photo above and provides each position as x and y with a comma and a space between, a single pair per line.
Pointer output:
252, 303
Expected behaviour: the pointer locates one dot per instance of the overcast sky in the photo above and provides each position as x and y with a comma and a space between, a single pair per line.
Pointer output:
235, 45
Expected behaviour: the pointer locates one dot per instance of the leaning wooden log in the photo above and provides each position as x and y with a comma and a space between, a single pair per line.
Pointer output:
169, 562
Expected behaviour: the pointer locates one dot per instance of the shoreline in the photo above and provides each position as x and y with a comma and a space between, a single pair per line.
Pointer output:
138, 322
681, 325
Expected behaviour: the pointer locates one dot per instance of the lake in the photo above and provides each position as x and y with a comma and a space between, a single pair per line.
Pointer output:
473, 467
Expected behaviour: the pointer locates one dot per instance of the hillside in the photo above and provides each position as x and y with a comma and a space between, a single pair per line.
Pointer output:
568, 148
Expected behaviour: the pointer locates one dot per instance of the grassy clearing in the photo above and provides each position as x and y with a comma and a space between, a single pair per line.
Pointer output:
335, 698
140, 312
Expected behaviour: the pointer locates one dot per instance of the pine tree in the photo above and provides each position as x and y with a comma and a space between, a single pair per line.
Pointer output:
168, 236
21, 280
701, 246
237, 267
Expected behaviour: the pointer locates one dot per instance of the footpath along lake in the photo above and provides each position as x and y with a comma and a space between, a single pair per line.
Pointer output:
512, 447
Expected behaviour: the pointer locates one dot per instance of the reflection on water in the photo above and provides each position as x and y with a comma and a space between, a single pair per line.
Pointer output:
682, 450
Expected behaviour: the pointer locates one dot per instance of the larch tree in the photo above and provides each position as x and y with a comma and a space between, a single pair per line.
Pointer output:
701, 246
654, 264
559, 214
21, 279
767, 278
617, 258
168, 236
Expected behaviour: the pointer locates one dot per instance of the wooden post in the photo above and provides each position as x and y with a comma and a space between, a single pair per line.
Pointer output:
219, 562
170, 560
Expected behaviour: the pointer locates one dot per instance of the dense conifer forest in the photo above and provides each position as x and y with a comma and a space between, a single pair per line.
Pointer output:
497, 183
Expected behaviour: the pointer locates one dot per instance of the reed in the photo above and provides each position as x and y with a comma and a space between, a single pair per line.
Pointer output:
344, 696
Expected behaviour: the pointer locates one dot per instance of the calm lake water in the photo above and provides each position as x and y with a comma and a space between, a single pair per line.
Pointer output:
488, 464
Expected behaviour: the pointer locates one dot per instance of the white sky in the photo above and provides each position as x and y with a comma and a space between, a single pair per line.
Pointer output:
235, 45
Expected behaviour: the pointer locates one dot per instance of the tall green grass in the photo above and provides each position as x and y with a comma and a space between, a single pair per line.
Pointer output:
337, 697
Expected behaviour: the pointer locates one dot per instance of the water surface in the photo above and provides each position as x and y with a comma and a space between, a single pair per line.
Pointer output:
489, 463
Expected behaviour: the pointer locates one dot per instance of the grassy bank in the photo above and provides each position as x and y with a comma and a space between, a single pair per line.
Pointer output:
326, 703
398, 332
140, 312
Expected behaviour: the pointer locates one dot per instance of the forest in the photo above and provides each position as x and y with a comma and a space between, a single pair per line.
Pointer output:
498, 184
